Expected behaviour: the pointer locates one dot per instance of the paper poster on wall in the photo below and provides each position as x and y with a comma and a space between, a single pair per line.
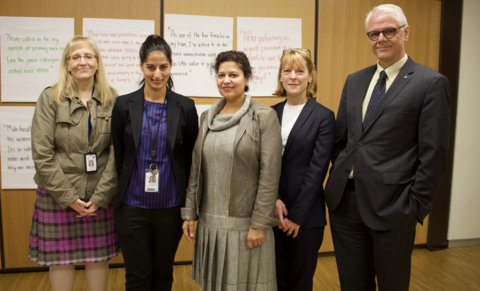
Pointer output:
195, 43
31, 52
16, 147
119, 41
263, 40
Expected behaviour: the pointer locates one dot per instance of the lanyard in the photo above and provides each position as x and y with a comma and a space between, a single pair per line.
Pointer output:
153, 153
90, 125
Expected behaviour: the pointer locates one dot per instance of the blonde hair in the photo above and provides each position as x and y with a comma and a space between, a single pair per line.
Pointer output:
298, 57
66, 84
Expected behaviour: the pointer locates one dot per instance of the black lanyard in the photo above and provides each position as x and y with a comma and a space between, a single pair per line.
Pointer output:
153, 153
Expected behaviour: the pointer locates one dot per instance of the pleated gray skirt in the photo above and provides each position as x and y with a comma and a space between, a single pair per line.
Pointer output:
222, 260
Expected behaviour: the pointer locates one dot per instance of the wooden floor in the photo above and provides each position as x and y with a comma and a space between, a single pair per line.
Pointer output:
455, 269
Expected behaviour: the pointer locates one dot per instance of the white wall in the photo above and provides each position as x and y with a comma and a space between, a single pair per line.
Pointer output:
465, 204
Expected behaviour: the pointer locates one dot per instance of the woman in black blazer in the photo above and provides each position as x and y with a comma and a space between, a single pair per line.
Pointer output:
308, 135
154, 131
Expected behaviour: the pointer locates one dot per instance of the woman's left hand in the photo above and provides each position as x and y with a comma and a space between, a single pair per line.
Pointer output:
292, 227
188, 230
92, 206
255, 237
280, 213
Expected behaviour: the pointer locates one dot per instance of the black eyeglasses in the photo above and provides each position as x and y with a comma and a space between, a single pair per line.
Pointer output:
300, 49
388, 33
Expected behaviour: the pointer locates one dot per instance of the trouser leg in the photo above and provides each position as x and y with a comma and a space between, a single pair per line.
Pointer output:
353, 245
393, 257
363, 253
353, 252
167, 232
296, 258
135, 235
282, 264
303, 252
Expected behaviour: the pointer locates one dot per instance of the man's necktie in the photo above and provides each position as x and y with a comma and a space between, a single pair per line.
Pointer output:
377, 95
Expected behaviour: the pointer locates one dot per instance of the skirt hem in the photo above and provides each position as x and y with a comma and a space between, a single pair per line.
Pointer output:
222, 260
80, 261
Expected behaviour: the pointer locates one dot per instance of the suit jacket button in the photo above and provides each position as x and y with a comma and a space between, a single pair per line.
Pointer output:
360, 143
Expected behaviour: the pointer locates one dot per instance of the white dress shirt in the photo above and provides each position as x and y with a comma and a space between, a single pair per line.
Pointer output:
289, 117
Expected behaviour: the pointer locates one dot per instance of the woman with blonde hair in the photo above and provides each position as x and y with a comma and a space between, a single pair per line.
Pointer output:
73, 215
308, 134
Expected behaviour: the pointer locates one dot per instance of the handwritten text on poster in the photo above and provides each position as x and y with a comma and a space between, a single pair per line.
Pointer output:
263, 40
119, 42
195, 43
16, 149
31, 52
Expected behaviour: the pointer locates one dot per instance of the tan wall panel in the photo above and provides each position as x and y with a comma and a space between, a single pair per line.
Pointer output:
422, 232
185, 250
17, 210
120, 9
343, 46
327, 244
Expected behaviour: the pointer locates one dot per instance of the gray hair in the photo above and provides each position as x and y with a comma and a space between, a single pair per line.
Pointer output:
388, 9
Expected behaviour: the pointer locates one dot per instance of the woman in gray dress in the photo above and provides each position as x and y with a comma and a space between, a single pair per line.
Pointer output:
233, 186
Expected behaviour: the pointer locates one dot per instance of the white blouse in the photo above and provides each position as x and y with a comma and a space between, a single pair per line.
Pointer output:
290, 116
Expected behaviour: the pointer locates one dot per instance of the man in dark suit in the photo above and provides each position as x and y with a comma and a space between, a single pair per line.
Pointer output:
390, 152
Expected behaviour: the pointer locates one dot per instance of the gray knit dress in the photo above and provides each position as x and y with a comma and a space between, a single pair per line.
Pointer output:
221, 258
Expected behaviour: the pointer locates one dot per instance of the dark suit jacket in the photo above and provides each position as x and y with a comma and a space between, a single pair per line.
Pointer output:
305, 163
182, 130
401, 155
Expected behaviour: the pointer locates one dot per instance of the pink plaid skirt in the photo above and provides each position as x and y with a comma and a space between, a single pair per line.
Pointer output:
57, 237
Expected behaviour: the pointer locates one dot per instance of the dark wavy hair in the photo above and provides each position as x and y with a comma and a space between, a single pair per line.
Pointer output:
233, 56
155, 43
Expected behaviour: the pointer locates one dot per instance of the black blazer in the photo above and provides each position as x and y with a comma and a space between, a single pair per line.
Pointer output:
182, 130
305, 163
401, 155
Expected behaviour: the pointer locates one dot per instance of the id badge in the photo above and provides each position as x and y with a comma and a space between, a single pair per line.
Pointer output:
151, 181
90, 162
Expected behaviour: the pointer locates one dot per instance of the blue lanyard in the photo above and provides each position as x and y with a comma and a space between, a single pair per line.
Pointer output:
153, 138
90, 122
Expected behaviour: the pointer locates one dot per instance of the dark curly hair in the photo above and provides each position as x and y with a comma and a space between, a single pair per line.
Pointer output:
155, 43
233, 56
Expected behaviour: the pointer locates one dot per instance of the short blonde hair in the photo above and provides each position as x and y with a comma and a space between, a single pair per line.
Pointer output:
300, 58
66, 84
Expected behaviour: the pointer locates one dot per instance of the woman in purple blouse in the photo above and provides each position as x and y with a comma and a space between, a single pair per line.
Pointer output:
154, 130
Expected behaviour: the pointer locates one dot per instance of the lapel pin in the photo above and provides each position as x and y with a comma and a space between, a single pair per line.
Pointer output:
405, 77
